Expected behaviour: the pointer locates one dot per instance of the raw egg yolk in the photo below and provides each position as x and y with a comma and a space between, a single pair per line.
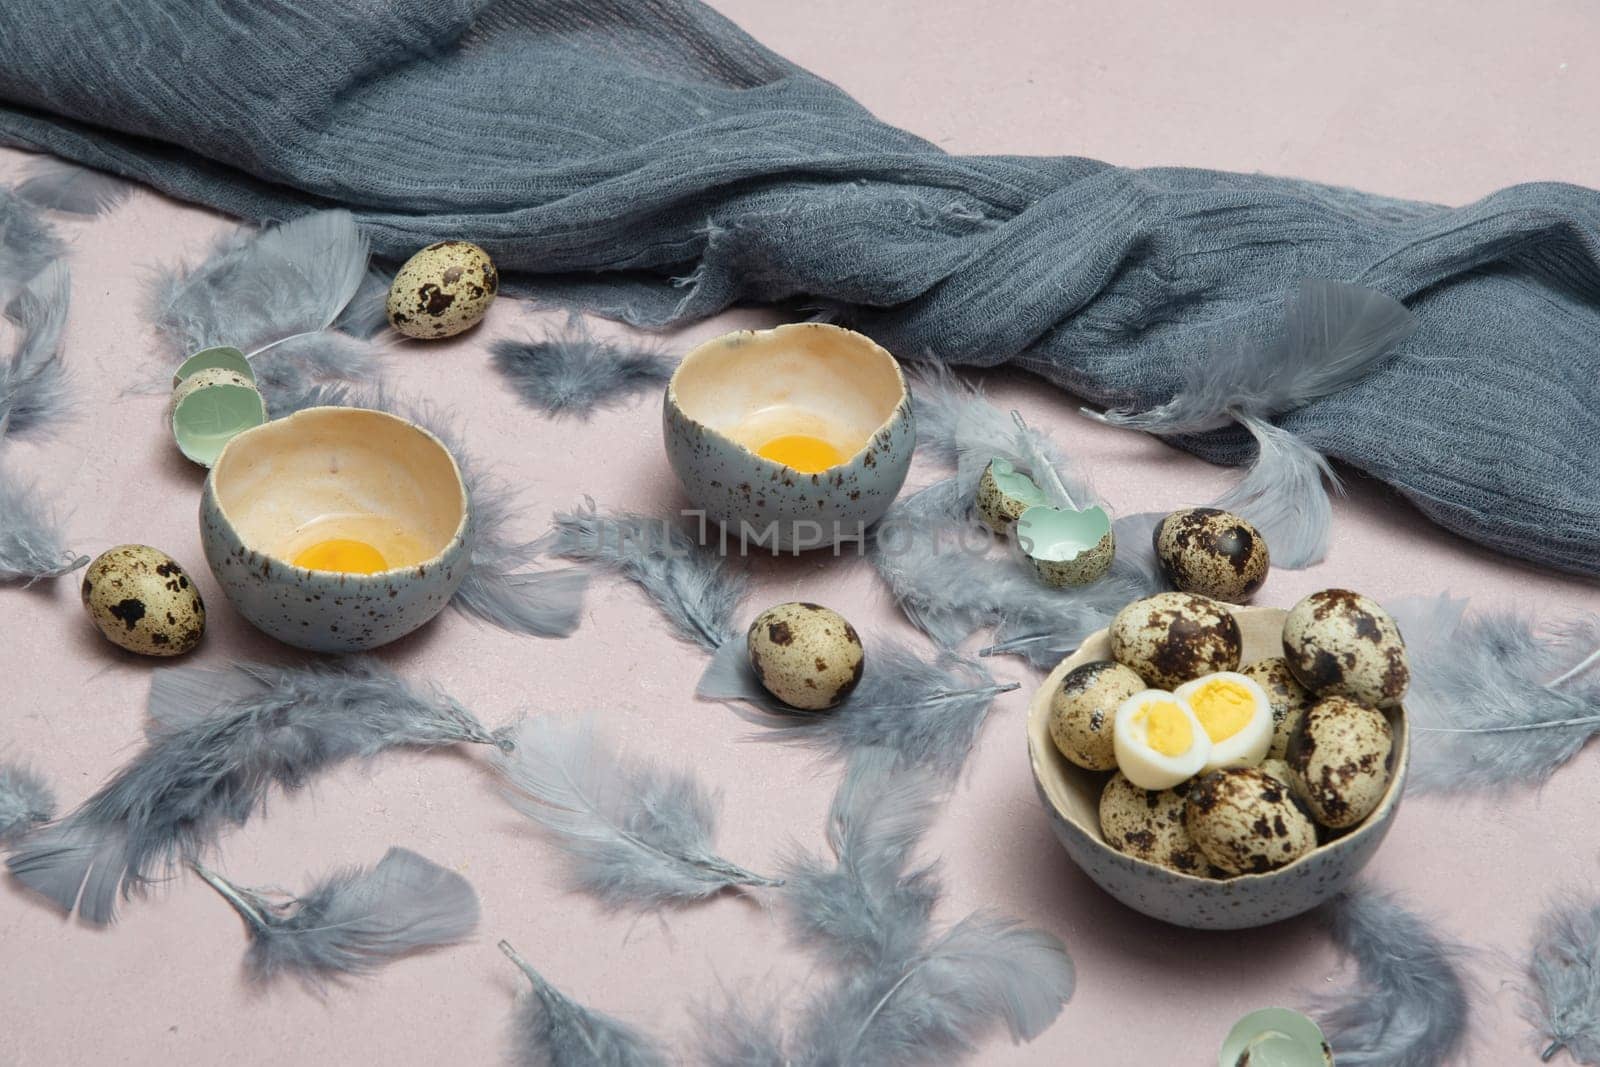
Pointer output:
806, 454
351, 557
1166, 728
1223, 708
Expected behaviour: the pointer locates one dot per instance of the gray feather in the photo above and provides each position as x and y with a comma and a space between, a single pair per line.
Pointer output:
693, 587
572, 372
500, 589
353, 921
1494, 703
288, 372
367, 314
927, 712
27, 244
740, 1032
552, 1030
1284, 494
31, 548
1409, 1007
25, 802
217, 742
637, 836
33, 383
57, 185
1563, 1001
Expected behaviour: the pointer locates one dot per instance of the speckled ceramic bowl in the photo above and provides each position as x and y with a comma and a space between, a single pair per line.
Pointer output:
733, 395
1071, 796
336, 474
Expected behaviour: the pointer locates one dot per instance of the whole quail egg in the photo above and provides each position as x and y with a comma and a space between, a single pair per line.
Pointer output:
1287, 696
1342, 643
1339, 760
1278, 768
142, 600
1172, 638
443, 290
1084, 708
1236, 716
806, 655
1211, 553
1245, 821
1149, 825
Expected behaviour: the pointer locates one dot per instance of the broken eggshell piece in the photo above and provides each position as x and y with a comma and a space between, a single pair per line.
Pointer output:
1004, 493
1067, 547
210, 406
1275, 1037
221, 357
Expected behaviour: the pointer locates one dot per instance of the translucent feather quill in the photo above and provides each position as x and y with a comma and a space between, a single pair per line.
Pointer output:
27, 244
353, 921
1332, 335
551, 1029
33, 382
637, 836
57, 185
31, 548
25, 802
1563, 999
216, 744
573, 372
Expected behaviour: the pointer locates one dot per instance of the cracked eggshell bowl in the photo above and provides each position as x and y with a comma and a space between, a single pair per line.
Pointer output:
336, 473
1071, 798
733, 395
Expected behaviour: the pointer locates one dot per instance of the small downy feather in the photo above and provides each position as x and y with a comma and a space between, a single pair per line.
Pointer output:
27, 244
694, 587
1332, 335
57, 185
351, 922
217, 742
25, 802
637, 836
1497, 704
367, 314
551, 1029
573, 372
31, 548
500, 589
33, 383
927, 712
1563, 999
1409, 1007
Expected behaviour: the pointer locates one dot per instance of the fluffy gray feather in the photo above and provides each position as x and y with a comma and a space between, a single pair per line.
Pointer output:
57, 185
928, 712
25, 802
550, 1029
289, 372
33, 382
637, 836
572, 372
216, 743
695, 589
1563, 1001
1409, 1007
354, 921
1495, 703
742, 1031
27, 244
1284, 494
31, 547
367, 314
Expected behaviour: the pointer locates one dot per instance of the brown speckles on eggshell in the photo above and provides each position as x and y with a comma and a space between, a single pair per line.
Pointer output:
1172, 638
1338, 642
1083, 709
1148, 825
441, 291
1339, 760
1289, 699
806, 655
1211, 553
141, 600
1243, 821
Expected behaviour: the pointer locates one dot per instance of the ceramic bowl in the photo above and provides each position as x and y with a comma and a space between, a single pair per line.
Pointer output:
326, 474
737, 395
1071, 797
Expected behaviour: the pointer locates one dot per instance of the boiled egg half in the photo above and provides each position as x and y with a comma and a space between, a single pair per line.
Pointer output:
1236, 714
1158, 740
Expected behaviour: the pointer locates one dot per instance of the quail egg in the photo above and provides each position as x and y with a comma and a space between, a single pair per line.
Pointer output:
806, 655
1278, 768
1342, 643
1288, 697
1158, 740
443, 290
1149, 825
1236, 715
1084, 708
1245, 821
1211, 553
1172, 638
1339, 760
141, 600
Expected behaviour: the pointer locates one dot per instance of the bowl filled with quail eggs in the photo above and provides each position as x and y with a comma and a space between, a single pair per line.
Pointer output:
1223, 767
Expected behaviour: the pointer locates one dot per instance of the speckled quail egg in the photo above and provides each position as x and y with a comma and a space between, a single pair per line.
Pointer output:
1288, 697
1172, 638
1278, 768
1245, 821
1084, 708
443, 290
1342, 643
1158, 740
1149, 825
142, 600
806, 655
1339, 760
1236, 715
1212, 553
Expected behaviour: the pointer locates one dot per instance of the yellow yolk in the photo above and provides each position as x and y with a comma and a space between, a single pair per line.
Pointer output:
1223, 708
1167, 728
339, 554
806, 454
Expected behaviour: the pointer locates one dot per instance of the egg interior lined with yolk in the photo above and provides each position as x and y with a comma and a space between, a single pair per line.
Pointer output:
802, 451
1158, 740
1236, 715
342, 554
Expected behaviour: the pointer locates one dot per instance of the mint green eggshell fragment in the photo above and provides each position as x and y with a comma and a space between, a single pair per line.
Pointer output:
1004, 493
1275, 1037
210, 408
222, 357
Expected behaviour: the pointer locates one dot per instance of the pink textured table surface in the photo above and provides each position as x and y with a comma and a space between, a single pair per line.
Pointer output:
1443, 101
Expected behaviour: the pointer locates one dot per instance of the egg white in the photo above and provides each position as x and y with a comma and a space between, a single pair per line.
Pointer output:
1143, 765
1248, 746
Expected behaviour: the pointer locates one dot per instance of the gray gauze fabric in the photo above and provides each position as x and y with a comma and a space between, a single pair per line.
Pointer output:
651, 161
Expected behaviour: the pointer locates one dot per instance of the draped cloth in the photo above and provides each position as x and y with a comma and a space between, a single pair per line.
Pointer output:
649, 160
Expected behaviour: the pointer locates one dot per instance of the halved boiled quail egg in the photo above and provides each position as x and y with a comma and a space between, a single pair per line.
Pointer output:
1236, 714
1159, 741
